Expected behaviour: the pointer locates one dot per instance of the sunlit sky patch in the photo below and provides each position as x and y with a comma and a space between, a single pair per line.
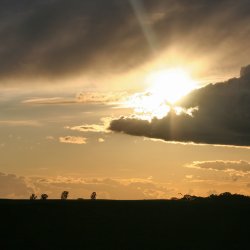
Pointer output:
170, 84
165, 88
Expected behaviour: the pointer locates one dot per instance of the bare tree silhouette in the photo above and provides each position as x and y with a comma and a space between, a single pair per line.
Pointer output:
33, 197
44, 196
93, 196
64, 195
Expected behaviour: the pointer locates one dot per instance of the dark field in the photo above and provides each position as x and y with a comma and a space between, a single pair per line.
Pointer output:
105, 224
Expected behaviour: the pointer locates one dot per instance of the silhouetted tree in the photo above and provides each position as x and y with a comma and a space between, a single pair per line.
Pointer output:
64, 195
213, 196
189, 197
93, 196
226, 194
174, 198
33, 197
44, 196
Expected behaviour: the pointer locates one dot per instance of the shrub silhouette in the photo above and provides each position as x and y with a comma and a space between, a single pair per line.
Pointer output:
44, 196
226, 194
64, 195
33, 197
189, 197
93, 196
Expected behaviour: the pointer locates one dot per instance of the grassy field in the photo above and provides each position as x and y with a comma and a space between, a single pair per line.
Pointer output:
106, 224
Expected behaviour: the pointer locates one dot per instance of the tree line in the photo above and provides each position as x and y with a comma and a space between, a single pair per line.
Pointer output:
64, 196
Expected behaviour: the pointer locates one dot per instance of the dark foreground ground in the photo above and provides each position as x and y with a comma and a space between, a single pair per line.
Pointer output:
102, 224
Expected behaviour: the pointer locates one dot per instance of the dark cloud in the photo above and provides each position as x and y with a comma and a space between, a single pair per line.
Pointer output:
223, 116
58, 38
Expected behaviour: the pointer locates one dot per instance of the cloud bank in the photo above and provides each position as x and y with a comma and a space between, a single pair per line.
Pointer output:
61, 38
107, 188
223, 116
12, 186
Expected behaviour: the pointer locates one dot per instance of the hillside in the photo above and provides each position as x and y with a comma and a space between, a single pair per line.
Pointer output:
105, 224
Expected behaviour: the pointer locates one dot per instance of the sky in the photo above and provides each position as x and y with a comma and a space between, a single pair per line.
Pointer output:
132, 99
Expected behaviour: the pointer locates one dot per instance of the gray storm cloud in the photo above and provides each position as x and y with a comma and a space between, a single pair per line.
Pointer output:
58, 38
223, 116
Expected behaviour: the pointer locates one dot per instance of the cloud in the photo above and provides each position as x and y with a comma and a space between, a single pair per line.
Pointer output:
92, 97
222, 117
101, 97
243, 166
236, 169
107, 188
96, 128
101, 140
63, 38
89, 128
25, 123
49, 137
73, 139
49, 100
12, 186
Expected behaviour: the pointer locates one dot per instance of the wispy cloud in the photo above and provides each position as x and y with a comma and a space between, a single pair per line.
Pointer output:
233, 168
96, 128
73, 140
49, 137
102, 97
84, 97
101, 140
14, 123
89, 128
49, 100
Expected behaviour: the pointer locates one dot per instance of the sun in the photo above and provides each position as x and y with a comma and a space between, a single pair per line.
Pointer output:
170, 84
165, 88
